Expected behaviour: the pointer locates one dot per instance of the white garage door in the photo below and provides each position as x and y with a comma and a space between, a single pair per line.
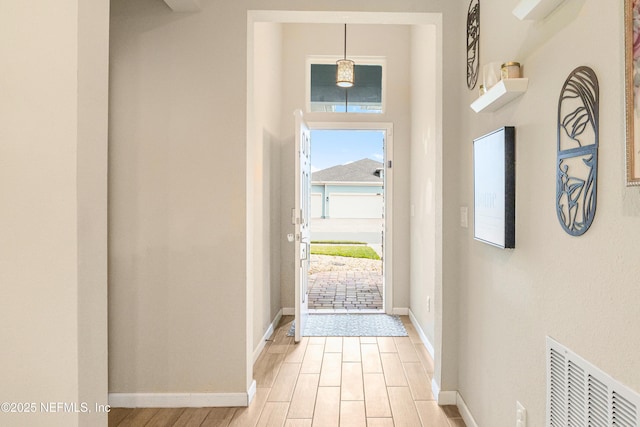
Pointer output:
316, 205
355, 206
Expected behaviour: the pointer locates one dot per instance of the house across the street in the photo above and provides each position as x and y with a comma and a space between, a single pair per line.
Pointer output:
353, 190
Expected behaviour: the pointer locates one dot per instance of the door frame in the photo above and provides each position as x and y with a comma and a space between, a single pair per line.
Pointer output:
442, 324
387, 244
302, 215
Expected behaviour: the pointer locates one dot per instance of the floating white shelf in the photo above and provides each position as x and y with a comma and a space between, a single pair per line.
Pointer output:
503, 92
535, 9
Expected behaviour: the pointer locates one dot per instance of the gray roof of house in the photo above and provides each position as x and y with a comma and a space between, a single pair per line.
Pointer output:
363, 170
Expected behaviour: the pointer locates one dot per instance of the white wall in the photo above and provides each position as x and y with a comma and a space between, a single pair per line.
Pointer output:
53, 218
583, 291
426, 196
265, 173
392, 42
177, 167
92, 157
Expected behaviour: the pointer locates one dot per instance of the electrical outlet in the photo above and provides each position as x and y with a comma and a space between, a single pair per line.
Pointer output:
521, 415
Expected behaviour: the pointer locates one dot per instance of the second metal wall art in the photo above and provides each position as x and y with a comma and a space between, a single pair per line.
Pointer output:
577, 160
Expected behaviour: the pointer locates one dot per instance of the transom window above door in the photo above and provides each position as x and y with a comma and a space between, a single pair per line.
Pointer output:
366, 96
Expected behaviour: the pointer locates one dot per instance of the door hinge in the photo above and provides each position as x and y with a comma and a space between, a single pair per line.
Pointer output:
296, 216
390, 164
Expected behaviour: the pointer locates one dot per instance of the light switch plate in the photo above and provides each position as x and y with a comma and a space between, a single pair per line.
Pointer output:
464, 217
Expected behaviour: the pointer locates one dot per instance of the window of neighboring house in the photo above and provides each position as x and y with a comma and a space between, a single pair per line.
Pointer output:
364, 97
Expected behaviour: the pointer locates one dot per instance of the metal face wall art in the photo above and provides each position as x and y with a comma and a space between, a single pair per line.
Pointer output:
577, 165
473, 43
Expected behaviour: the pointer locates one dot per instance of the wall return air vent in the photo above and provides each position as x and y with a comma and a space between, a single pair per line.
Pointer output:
579, 394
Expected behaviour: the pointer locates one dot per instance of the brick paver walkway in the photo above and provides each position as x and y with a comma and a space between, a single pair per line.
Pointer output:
340, 283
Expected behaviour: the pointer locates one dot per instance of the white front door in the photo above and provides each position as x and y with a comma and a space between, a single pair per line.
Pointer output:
302, 213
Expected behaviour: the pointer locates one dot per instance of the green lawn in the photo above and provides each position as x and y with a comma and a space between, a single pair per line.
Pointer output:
337, 242
352, 251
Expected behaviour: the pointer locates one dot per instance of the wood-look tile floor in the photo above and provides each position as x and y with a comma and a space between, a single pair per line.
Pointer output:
324, 381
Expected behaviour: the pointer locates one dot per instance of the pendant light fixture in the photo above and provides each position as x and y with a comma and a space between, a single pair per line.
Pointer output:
345, 72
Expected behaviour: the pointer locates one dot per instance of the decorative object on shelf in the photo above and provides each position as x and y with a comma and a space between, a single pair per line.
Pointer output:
494, 188
473, 43
632, 90
501, 84
510, 70
577, 163
491, 74
345, 71
535, 9
500, 94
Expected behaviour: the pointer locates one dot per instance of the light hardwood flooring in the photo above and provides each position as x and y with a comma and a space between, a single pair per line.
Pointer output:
324, 381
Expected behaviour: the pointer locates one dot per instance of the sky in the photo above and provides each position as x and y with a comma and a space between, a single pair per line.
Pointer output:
339, 147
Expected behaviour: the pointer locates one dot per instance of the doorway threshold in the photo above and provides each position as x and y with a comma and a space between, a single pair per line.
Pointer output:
352, 325
346, 311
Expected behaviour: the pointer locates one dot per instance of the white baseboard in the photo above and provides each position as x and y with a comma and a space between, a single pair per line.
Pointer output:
178, 400
288, 311
266, 336
423, 336
251, 393
447, 398
453, 398
400, 311
465, 412
443, 397
435, 388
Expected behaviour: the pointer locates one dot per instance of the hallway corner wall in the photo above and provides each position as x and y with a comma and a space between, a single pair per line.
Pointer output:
53, 156
425, 199
178, 296
264, 170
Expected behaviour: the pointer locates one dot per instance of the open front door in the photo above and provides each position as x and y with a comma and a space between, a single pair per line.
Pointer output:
301, 214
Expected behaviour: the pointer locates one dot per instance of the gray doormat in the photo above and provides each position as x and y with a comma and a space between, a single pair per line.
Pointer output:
352, 325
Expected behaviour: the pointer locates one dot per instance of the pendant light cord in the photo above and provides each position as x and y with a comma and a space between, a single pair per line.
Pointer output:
345, 41
346, 91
